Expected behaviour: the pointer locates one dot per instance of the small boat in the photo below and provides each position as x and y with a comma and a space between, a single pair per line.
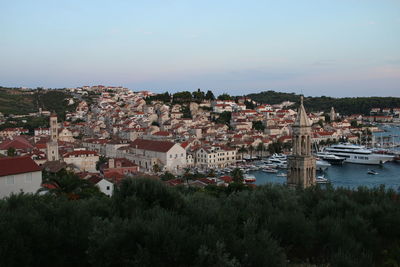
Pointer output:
322, 180
373, 172
282, 174
270, 170
322, 165
249, 178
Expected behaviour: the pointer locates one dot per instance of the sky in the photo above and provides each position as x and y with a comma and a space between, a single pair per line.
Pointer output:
314, 47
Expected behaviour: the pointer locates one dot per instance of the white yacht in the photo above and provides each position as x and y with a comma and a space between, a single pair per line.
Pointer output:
331, 158
322, 165
357, 154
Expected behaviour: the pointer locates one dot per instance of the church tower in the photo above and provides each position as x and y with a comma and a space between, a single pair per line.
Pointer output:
268, 122
52, 144
332, 114
301, 164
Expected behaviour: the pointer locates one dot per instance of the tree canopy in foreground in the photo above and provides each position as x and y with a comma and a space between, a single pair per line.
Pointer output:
146, 223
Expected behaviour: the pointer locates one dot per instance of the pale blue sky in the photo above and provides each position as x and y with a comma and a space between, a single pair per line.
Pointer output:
319, 47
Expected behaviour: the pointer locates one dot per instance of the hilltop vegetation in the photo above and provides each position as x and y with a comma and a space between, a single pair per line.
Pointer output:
146, 223
16, 101
346, 105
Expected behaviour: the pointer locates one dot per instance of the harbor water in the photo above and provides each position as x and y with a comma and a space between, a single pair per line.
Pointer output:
351, 175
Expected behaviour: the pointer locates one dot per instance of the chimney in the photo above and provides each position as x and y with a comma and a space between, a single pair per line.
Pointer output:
111, 164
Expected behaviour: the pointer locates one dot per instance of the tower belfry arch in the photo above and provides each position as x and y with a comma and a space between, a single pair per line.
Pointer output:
301, 164
52, 144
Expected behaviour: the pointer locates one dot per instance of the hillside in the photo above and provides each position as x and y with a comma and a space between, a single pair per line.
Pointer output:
346, 105
17, 101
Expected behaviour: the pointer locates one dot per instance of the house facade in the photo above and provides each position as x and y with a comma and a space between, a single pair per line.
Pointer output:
147, 153
19, 174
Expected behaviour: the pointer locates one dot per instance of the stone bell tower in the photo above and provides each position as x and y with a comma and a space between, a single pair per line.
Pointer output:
52, 144
332, 115
301, 164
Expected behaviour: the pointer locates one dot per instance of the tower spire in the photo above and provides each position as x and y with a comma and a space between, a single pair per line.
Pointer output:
302, 119
301, 164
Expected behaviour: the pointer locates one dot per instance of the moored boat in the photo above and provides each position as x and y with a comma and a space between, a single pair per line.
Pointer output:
322, 165
322, 180
331, 158
249, 178
358, 154
268, 170
373, 172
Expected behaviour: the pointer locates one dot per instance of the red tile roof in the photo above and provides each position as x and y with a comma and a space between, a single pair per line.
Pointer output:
16, 165
17, 143
152, 145
80, 152
162, 133
185, 144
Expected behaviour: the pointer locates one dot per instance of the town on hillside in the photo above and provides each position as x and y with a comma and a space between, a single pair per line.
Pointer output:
113, 132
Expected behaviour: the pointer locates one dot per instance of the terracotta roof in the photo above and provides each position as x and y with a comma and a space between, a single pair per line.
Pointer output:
162, 133
54, 166
16, 165
174, 182
115, 176
95, 179
120, 161
185, 144
152, 145
226, 179
16, 143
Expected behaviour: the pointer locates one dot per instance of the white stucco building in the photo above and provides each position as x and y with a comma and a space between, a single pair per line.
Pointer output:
215, 157
19, 174
147, 153
85, 160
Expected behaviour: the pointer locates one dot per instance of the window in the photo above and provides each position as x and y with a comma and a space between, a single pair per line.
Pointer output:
10, 179
108, 187
28, 177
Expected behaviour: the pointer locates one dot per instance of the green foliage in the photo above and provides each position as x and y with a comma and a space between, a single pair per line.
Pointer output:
16, 101
47, 231
55, 101
198, 96
167, 176
11, 152
225, 96
354, 123
182, 97
186, 112
346, 105
275, 147
249, 105
30, 124
209, 95
68, 185
237, 175
165, 98
156, 168
154, 123
258, 125
146, 223
102, 160
224, 118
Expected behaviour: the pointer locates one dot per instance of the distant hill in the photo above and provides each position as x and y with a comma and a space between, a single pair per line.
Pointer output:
17, 101
345, 105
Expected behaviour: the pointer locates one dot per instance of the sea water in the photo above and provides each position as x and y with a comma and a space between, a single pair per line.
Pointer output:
352, 175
